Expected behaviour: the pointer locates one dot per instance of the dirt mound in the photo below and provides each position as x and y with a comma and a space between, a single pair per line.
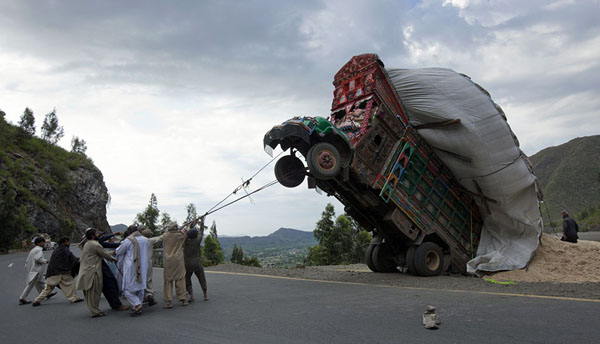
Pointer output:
559, 261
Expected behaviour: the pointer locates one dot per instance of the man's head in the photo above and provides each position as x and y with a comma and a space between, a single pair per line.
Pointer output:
172, 227
564, 213
64, 241
39, 241
90, 234
192, 233
147, 233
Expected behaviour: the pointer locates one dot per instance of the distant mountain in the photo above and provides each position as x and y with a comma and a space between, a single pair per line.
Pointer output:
118, 228
569, 176
279, 245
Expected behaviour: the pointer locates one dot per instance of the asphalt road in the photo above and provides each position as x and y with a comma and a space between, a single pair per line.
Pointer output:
262, 309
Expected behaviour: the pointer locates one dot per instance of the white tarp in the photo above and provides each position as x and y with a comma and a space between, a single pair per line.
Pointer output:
481, 148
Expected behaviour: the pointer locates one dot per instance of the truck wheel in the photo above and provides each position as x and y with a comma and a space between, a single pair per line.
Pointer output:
369, 257
324, 161
429, 259
383, 259
410, 260
290, 171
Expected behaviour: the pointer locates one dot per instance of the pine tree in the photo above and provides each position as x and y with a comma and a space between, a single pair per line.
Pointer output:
191, 213
149, 217
78, 145
212, 251
27, 122
51, 131
237, 256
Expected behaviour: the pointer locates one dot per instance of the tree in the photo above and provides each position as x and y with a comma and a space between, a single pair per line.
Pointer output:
27, 122
149, 217
237, 256
340, 241
78, 145
165, 219
191, 213
2, 115
51, 131
213, 229
212, 251
13, 217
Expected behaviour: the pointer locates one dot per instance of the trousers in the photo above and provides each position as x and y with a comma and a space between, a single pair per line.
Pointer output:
37, 283
66, 284
179, 289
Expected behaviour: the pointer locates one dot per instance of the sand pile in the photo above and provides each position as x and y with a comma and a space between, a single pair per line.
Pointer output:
558, 261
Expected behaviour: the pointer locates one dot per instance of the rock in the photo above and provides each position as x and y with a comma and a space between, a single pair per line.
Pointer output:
430, 319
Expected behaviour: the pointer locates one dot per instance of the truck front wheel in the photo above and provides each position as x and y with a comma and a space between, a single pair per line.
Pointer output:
290, 171
324, 161
428, 259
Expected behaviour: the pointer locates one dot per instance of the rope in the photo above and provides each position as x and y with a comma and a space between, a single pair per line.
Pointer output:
549, 218
244, 184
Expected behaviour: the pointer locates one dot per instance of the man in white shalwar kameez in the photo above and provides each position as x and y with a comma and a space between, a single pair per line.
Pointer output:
133, 252
34, 270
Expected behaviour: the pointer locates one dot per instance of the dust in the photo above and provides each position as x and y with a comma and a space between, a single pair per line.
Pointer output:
559, 261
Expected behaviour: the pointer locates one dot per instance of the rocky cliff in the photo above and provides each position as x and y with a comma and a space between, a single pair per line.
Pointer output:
45, 189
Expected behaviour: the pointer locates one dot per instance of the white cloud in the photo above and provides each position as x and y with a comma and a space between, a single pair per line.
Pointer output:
175, 100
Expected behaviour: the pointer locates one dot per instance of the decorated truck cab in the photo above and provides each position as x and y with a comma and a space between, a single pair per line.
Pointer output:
368, 156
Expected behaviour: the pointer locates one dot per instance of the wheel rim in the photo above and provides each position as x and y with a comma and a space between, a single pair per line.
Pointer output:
432, 260
326, 160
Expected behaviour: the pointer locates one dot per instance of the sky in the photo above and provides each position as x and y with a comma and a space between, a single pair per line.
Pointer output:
174, 97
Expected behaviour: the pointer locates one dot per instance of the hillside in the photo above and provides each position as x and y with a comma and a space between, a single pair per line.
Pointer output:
569, 176
44, 188
284, 247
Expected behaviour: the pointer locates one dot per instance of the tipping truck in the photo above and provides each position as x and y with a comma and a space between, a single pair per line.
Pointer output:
368, 156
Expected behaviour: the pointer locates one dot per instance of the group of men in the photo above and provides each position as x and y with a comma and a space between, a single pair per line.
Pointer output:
126, 271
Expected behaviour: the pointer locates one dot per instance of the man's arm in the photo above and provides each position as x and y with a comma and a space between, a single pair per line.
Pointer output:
39, 258
104, 253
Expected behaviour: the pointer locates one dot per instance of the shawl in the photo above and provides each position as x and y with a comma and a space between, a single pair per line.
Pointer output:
136, 255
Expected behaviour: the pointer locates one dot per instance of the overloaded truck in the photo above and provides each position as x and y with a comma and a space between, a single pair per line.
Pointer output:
369, 156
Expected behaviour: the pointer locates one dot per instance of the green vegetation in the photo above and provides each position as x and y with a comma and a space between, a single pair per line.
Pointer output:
340, 242
569, 177
27, 161
237, 257
149, 217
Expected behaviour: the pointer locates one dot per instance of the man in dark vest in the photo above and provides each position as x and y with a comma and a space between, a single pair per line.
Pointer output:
570, 228
59, 273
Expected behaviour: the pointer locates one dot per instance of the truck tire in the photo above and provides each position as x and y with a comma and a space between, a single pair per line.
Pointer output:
369, 258
383, 259
289, 171
410, 260
324, 161
429, 259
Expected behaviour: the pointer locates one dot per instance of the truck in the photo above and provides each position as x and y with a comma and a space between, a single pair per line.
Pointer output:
368, 156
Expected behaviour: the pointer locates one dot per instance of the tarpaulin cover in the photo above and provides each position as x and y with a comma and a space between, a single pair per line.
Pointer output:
481, 149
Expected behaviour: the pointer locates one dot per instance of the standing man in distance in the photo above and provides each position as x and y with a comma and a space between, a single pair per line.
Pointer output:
59, 273
34, 270
90, 271
570, 228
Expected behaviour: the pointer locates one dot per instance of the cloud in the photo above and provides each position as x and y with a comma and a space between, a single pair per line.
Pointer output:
174, 98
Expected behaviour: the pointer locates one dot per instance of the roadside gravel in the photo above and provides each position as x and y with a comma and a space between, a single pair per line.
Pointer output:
359, 273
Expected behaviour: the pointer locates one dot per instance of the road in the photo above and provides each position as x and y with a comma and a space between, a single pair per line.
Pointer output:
261, 309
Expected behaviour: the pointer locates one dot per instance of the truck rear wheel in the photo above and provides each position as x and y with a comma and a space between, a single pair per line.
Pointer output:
383, 259
290, 171
410, 259
369, 257
429, 259
324, 161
